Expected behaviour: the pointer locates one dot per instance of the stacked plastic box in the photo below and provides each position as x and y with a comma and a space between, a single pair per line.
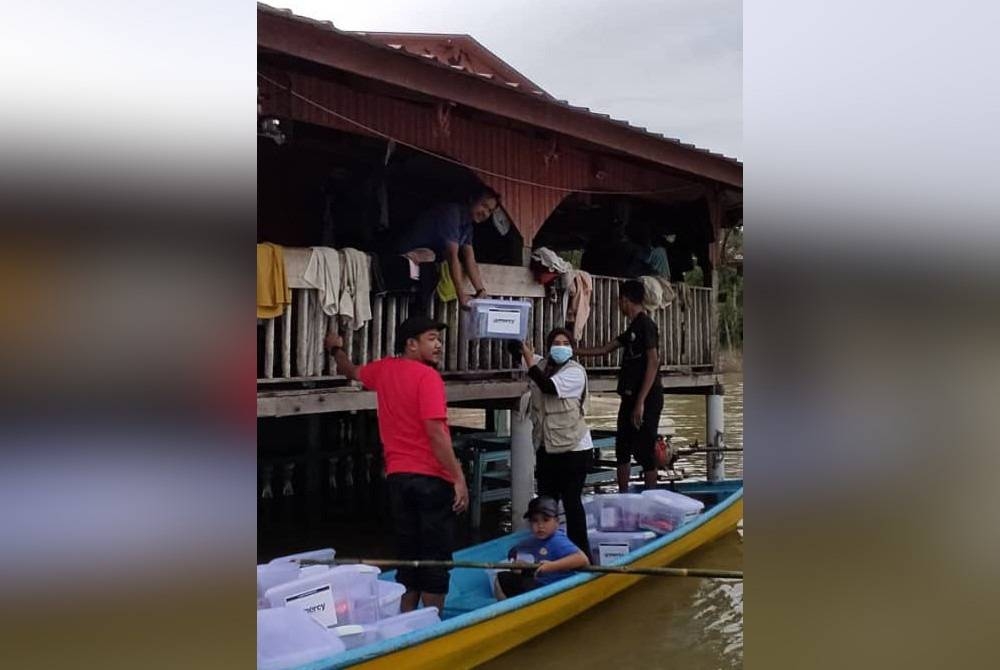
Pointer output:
608, 548
288, 638
285, 569
663, 511
312, 612
616, 532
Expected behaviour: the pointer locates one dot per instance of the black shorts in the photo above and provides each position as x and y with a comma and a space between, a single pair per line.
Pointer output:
515, 583
425, 528
639, 443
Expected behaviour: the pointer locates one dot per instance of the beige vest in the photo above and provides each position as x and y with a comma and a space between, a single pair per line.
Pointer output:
557, 422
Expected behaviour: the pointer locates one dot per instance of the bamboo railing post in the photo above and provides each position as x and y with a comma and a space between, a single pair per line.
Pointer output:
269, 348
286, 341
452, 335
319, 333
390, 331
377, 327
301, 332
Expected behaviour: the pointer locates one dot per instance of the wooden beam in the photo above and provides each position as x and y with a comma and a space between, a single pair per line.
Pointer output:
464, 393
317, 401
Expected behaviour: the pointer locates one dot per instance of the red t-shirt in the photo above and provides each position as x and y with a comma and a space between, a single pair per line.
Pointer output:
407, 394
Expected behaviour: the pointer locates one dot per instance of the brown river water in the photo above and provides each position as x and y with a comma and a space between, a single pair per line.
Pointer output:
684, 622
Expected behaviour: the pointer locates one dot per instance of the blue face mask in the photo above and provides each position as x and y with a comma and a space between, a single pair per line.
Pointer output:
560, 353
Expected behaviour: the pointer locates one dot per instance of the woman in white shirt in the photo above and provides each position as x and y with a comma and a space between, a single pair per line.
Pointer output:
561, 437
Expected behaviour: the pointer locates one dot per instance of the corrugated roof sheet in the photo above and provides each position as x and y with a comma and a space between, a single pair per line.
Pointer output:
431, 60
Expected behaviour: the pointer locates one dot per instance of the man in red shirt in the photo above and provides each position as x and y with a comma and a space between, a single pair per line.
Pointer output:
425, 481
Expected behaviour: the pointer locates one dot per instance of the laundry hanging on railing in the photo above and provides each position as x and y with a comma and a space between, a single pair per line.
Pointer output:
355, 290
446, 285
580, 286
343, 279
324, 274
273, 292
547, 265
659, 292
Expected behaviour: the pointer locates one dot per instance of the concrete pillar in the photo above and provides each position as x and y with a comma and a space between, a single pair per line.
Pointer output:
714, 437
522, 466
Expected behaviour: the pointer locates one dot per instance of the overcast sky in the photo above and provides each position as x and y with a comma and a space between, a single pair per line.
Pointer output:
673, 66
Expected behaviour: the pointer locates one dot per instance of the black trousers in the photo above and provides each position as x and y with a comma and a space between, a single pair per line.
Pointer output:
562, 476
425, 528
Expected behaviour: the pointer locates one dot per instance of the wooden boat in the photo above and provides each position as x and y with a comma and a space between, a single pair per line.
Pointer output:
476, 628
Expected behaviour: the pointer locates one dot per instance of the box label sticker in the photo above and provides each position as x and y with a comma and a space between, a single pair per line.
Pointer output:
608, 553
503, 321
318, 603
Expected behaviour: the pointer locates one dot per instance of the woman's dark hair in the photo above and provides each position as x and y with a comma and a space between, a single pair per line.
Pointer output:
559, 331
633, 291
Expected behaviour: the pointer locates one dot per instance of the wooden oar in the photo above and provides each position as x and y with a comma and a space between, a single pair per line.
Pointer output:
602, 569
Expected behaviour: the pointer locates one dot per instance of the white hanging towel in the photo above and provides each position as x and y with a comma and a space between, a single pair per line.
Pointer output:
355, 289
324, 273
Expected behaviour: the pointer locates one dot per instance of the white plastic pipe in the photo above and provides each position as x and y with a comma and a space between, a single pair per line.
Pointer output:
714, 437
522, 465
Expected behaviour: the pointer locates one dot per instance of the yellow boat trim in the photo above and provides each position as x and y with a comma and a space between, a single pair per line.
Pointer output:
472, 646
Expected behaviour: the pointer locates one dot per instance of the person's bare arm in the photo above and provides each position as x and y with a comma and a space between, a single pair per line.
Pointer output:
457, 276
440, 437
599, 350
571, 562
344, 365
472, 268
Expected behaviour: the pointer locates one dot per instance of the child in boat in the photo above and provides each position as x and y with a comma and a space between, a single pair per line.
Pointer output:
549, 547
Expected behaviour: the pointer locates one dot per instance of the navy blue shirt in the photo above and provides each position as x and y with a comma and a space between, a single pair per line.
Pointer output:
552, 549
435, 228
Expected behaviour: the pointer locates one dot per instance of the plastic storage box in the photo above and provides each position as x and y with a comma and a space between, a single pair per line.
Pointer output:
342, 595
590, 511
360, 584
504, 319
607, 548
618, 512
389, 596
357, 635
288, 638
405, 623
663, 511
272, 575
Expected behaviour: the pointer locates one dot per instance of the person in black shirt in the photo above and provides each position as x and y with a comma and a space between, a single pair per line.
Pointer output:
638, 385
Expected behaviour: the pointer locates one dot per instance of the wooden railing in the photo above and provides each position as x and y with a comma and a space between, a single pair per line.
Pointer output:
293, 343
685, 326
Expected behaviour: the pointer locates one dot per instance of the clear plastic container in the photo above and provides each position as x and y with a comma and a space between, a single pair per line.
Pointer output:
359, 583
271, 575
354, 635
389, 596
405, 623
327, 597
618, 512
590, 511
607, 548
663, 511
288, 637
505, 319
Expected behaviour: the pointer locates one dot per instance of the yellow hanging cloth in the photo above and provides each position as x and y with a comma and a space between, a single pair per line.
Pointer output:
272, 286
446, 287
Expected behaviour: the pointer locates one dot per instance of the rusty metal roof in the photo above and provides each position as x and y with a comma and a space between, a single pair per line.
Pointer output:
398, 47
459, 51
